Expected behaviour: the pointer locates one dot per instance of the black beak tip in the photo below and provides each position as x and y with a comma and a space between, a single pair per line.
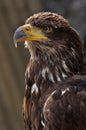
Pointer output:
19, 33
15, 39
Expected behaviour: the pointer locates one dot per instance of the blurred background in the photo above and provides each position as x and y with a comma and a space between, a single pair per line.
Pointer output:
13, 62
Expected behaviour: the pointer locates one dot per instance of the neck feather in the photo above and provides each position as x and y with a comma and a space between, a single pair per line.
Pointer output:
53, 64
56, 64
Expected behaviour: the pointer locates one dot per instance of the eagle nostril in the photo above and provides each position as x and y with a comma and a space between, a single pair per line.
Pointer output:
28, 29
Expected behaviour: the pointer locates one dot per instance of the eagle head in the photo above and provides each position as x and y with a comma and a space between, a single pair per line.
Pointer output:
43, 27
40, 27
50, 36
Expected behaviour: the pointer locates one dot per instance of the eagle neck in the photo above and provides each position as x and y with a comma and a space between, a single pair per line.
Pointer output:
50, 66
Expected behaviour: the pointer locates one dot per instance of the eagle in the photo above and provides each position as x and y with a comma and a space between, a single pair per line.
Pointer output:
55, 91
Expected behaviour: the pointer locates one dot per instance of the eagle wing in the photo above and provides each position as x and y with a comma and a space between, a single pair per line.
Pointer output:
61, 107
65, 108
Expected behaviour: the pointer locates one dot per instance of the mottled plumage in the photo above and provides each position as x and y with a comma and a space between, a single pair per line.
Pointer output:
55, 93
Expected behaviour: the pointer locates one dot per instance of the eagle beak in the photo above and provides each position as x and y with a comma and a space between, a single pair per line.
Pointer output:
28, 33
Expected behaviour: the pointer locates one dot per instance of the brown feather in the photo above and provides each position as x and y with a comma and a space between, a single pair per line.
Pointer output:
55, 94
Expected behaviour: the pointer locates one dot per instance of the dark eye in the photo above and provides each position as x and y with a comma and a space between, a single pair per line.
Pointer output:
47, 29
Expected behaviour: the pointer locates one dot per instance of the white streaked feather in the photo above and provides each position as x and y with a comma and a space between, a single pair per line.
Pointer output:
34, 88
26, 44
50, 75
53, 92
65, 66
43, 124
64, 91
73, 51
44, 73
26, 87
57, 76
64, 75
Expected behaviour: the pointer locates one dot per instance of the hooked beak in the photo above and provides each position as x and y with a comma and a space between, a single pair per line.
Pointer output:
28, 33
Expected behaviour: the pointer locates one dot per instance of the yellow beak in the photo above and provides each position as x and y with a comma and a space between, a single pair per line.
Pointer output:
28, 33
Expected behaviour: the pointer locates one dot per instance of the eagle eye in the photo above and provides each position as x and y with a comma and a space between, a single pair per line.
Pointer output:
47, 29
